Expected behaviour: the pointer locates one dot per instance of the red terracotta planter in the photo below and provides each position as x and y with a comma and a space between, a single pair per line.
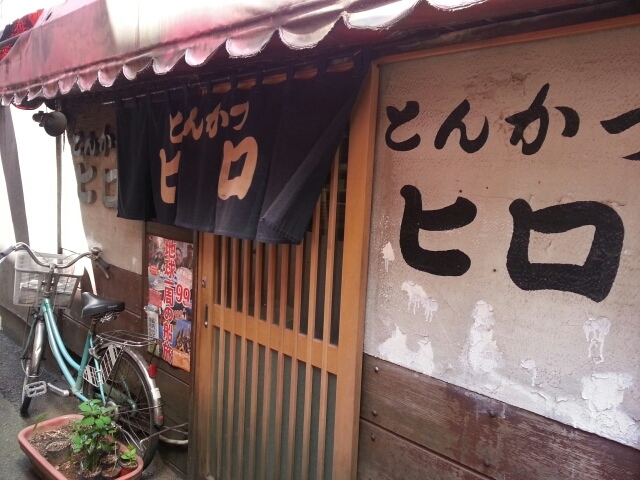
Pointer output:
42, 465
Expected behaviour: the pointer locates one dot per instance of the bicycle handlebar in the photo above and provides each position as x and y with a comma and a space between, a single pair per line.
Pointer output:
6, 252
94, 254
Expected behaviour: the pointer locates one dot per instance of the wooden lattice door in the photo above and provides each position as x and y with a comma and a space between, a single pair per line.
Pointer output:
275, 369
279, 336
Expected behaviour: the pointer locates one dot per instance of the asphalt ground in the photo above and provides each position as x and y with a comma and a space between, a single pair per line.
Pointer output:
14, 464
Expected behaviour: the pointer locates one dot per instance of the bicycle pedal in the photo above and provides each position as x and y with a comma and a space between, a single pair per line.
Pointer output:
59, 391
35, 389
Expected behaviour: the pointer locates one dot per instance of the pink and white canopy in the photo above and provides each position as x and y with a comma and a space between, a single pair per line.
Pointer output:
83, 41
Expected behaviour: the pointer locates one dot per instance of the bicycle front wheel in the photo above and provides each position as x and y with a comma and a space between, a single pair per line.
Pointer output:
31, 359
130, 393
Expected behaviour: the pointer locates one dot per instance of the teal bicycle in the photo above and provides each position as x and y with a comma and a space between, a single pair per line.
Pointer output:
111, 368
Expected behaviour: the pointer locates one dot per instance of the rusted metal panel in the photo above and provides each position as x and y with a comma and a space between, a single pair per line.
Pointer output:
485, 435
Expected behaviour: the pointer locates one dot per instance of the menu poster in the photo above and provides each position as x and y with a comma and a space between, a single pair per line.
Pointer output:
169, 309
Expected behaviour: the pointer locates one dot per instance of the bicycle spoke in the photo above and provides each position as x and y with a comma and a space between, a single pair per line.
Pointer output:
128, 392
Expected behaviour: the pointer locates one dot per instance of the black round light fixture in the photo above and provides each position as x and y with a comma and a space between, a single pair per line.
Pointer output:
54, 123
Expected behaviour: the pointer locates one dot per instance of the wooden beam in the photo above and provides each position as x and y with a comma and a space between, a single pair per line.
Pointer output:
483, 434
354, 275
580, 29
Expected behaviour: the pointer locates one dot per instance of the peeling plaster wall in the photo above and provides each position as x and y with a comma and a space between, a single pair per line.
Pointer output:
553, 352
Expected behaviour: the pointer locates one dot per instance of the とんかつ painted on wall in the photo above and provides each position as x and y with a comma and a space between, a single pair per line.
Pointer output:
504, 207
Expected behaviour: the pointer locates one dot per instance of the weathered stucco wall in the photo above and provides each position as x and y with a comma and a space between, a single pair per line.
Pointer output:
83, 224
519, 323
92, 210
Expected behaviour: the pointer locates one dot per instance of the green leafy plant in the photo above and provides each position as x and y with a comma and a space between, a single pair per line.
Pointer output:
92, 434
128, 457
39, 418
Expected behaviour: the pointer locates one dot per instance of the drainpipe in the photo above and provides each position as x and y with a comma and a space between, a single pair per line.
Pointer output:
59, 140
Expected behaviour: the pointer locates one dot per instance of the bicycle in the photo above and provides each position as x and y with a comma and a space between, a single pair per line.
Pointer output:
110, 369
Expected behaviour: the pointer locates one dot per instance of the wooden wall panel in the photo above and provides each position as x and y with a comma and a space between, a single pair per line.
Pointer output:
176, 402
482, 434
385, 456
176, 412
74, 330
121, 285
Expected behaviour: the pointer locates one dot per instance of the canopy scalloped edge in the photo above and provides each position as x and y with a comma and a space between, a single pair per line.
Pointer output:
296, 29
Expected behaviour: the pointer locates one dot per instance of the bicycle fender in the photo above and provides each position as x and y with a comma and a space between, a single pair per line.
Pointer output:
158, 416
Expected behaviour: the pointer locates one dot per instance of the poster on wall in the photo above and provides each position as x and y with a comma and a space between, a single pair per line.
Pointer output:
505, 232
169, 308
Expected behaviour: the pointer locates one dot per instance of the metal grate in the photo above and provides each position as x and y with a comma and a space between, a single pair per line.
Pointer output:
97, 377
127, 338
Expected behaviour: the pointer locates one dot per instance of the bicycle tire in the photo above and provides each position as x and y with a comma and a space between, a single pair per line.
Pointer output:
31, 359
127, 380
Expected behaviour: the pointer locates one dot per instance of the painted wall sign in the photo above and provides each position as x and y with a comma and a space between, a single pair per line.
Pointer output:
85, 174
506, 230
93, 146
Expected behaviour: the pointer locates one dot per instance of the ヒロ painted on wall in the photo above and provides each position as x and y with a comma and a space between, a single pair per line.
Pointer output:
505, 230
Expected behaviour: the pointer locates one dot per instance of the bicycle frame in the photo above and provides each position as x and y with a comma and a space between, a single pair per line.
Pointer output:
116, 373
60, 352
67, 363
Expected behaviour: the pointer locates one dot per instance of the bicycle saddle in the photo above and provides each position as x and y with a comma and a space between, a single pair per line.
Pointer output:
95, 305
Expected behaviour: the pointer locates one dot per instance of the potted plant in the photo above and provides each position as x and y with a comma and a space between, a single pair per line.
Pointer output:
33, 439
128, 460
58, 450
92, 436
110, 467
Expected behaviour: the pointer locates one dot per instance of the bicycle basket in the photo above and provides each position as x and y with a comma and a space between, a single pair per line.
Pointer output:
29, 277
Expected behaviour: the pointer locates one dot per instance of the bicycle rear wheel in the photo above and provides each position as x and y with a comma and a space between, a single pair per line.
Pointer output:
31, 359
128, 390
